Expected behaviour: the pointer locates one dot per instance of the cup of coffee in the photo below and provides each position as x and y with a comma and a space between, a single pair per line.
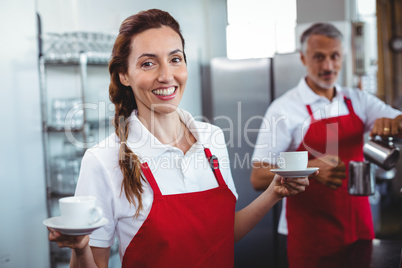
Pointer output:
293, 160
79, 211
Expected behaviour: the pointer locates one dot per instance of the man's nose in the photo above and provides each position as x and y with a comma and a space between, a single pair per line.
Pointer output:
328, 64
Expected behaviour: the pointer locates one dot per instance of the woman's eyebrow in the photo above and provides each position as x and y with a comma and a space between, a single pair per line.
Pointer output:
150, 55
175, 51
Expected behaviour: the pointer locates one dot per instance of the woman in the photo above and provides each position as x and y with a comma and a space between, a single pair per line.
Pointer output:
162, 190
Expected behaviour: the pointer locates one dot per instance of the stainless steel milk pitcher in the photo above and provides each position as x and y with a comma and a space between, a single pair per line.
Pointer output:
381, 152
361, 178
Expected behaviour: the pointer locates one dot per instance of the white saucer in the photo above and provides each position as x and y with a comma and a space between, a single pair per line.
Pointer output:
56, 223
295, 173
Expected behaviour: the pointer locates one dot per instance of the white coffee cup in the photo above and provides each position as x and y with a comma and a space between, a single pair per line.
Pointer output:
79, 211
293, 160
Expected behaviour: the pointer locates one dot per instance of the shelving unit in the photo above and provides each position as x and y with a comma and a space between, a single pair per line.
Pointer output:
48, 126
62, 157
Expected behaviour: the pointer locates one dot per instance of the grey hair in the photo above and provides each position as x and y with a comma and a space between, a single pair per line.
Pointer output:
324, 29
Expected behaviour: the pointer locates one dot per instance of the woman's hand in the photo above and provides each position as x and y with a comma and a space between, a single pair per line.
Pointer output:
290, 186
72, 241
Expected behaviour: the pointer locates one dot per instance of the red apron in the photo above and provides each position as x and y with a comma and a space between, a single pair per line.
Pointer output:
322, 221
186, 230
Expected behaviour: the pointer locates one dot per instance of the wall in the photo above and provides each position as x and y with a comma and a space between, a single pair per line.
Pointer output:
23, 237
322, 10
340, 13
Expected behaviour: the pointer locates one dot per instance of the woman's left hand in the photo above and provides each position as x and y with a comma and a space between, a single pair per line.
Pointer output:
290, 186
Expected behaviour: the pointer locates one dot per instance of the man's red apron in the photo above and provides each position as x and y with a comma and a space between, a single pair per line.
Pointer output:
322, 221
186, 230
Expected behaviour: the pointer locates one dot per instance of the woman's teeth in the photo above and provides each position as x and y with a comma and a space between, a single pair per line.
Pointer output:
164, 92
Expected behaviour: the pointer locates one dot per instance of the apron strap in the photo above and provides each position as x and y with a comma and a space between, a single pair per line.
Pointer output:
347, 102
214, 163
150, 178
310, 112
212, 159
349, 105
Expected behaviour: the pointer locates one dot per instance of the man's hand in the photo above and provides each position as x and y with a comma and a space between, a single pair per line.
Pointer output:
332, 170
386, 127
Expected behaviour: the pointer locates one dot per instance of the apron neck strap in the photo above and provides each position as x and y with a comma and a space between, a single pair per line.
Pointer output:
214, 164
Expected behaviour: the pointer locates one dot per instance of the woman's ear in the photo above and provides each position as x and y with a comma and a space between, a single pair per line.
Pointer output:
123, 79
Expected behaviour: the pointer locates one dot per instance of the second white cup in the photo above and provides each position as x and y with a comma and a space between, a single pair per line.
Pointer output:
79, 211
293, 160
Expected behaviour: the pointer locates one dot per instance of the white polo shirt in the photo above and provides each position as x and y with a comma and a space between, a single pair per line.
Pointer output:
174, 173
287, 120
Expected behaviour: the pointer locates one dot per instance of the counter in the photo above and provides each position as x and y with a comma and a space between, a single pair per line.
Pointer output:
370, 254
386, 254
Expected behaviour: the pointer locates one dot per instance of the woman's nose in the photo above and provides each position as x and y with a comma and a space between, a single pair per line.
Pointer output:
165, 74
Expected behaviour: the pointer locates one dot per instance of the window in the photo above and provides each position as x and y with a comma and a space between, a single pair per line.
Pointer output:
366, 12
260, 28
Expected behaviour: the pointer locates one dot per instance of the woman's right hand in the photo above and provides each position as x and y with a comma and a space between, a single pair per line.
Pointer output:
72, 241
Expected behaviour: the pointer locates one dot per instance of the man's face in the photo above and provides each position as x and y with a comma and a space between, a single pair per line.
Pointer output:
323, 58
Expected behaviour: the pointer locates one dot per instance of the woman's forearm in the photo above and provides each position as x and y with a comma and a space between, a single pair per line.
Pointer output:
248, 217
81, 258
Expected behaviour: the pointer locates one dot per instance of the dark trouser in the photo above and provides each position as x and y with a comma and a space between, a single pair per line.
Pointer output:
283, 256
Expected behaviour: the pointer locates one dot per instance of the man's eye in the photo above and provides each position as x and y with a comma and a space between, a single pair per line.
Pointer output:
319, 57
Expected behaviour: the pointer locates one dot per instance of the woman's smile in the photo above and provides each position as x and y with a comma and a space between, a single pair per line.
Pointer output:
165, 93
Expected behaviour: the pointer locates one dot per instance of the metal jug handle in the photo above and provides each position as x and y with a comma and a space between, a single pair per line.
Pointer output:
385, 141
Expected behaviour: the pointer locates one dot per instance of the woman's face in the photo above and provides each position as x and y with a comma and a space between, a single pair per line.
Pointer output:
156, 72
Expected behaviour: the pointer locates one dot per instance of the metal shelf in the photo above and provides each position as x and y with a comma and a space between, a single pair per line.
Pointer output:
75, 62
55, 194
62, 129
57, 255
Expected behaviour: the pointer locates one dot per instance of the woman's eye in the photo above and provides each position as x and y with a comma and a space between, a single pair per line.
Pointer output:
176, 59
147, 64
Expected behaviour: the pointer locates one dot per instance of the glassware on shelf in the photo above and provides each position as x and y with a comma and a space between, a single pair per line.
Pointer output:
67, 114
66, 47
52, 43
65, 169
65, 175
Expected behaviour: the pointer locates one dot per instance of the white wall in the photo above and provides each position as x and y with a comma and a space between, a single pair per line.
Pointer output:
340, 13
23, 237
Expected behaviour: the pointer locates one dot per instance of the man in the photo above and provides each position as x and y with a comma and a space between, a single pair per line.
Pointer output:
328, 121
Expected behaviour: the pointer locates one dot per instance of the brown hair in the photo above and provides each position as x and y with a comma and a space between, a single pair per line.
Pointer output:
123, 97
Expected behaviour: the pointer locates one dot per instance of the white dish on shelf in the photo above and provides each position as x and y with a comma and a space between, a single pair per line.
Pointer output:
56, 223
295, 173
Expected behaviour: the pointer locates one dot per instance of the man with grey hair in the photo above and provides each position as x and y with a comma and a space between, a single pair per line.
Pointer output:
324, 222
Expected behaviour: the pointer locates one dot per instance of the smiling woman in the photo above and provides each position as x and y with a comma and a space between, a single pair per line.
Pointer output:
183, 212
